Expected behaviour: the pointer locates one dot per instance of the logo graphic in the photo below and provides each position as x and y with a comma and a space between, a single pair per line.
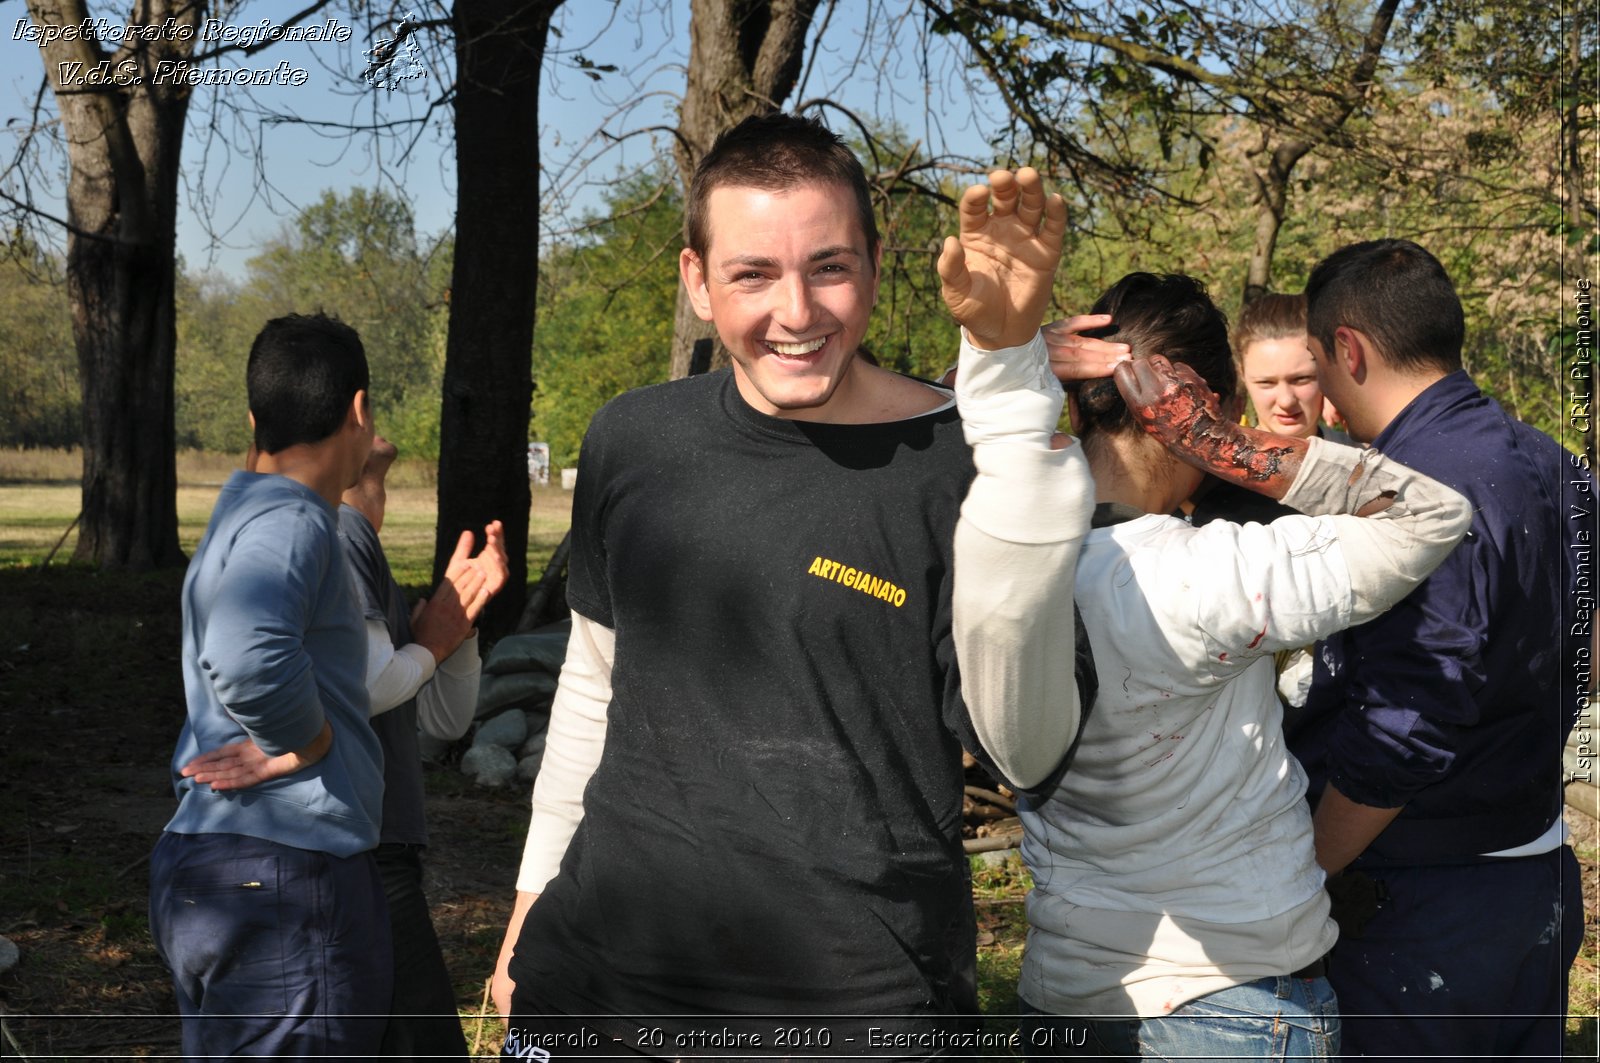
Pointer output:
392, 60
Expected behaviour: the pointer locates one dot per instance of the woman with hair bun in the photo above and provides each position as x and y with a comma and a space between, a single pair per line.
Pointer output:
1178, 909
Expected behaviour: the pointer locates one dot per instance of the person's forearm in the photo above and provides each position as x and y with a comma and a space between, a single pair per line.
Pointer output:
394, 675
1261, 461
1173, 404
445, 704
1013, 626
502, 986
573, 747
1414, 522
1343, 829
316, 749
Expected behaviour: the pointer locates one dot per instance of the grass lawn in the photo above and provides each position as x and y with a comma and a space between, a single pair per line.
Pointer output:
40, 497
91, 701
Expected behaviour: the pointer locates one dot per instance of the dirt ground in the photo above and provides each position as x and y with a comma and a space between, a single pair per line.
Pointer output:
90, 705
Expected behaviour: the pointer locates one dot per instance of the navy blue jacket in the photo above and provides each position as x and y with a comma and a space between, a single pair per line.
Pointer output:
1456, 703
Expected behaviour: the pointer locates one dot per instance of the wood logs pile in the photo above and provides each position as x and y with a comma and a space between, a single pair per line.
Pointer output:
988, 811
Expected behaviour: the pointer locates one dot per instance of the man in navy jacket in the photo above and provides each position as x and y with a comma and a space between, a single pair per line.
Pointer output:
1433, 734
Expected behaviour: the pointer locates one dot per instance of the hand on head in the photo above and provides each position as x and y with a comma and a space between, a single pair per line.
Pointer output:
1074, 356
1169, 401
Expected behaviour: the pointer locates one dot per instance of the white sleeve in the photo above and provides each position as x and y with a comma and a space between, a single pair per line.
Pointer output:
1389, 552
1016, 549
393, 676
571, 753
445, 704
1243, 591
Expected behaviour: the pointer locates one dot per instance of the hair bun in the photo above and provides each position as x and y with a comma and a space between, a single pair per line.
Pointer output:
1101, 403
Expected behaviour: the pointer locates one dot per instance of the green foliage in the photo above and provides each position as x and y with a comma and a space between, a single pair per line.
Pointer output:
40, 400
214, 336
606, 301
910, 331
356, 257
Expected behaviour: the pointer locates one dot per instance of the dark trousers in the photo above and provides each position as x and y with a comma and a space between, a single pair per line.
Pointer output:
423, 1022
1463, 962
274, 951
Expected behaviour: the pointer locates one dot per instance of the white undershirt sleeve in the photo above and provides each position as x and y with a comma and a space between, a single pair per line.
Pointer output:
445, 705
571, 753
446, 692
393, 675
1016, 549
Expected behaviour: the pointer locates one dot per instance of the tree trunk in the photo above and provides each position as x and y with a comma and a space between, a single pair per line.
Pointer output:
688, 328
1272, 201
488, 382
124, 133
744, 59
1327, 122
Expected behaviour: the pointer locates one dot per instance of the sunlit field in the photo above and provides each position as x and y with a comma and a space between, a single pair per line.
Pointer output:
40, 498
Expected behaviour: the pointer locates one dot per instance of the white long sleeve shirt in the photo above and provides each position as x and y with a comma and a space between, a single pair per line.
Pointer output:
1176, 857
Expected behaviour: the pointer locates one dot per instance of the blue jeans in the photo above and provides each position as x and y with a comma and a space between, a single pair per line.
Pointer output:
1271, 1018
274, 951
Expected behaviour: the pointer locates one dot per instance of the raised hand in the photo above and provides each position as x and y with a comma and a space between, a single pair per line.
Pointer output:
997, 274
1074, 356
442, 621
492, 561
1173, 404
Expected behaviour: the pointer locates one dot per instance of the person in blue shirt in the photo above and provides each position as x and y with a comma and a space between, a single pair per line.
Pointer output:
1432, 735
265, 900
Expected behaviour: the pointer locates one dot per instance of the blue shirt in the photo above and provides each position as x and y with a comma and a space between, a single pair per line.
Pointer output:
273, 646
1456, 702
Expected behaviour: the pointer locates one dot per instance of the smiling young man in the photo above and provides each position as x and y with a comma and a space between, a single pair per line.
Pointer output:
751, 795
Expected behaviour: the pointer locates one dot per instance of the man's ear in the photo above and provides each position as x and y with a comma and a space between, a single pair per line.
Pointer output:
693, 272
1353, 351
360, 413
252, 457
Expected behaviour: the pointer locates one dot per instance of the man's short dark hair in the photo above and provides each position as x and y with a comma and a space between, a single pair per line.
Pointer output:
777, 152
1396, 293
304, 369
1169, 314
